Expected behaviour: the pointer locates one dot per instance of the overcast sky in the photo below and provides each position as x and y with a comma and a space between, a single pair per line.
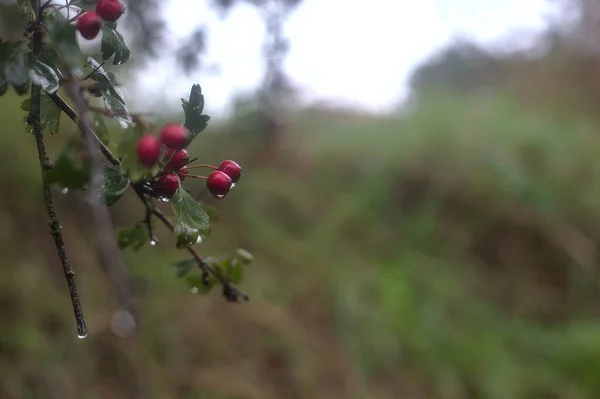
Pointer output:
358, 52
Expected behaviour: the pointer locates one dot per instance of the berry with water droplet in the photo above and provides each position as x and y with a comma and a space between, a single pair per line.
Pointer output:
148, 150
110, 10
176, 159
231, 169
168, 184
89, 25
174, 136
219, 184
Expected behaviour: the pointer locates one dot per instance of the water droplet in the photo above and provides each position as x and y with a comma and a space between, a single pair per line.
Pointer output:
65, 190
153, 242
164, 199
232, 186
194, 290
199, 240
219, 196
122, 323
82, 336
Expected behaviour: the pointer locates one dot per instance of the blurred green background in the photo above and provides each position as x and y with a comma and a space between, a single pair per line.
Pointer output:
445, 251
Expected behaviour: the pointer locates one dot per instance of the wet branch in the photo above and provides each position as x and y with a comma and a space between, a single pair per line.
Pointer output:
46, 166
230, 292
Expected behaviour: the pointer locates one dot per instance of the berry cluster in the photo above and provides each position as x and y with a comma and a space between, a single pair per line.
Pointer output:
169, 152
90, 23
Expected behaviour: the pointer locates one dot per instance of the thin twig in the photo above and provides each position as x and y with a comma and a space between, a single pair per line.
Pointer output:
46, 166
231, 292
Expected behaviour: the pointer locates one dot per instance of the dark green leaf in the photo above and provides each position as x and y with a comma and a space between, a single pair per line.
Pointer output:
184, 266
111, 25
69, 170
17, 72
100, 128
243, 256
49, 113
198, 283
85, 4
187, 239
195, 122
135, 237
190, 218
113, 104
115, 184
114, 44
6, 50
62, 38
44, 76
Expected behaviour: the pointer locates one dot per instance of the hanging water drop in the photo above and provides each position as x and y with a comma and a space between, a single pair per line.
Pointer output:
164, 199
153, 242
219, 196
81, 336
199, 240
194, 290
65, 191
232, 186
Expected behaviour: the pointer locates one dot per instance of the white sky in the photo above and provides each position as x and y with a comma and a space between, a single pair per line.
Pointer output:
357, 52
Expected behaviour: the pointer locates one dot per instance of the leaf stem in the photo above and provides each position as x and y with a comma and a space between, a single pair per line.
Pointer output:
45, 164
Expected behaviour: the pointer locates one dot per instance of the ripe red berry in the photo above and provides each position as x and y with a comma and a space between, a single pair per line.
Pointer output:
219, 184
110, 10
168, 185
231, 169
176, 159
148, 150
183, 172
89, 25
174, 136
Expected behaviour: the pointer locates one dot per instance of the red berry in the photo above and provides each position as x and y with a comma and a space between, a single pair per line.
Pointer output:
110, 10
89, 25
231, 169
174, 136
148, 150
168, 184
183, 172
177, 158
219, 184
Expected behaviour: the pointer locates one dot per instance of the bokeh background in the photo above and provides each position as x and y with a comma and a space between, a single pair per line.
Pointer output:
421, 193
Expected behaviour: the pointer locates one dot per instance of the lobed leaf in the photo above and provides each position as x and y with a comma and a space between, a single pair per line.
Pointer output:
189, 217
114, 44
115, 184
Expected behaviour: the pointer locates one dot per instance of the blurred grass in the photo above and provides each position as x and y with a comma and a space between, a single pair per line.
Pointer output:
450, 254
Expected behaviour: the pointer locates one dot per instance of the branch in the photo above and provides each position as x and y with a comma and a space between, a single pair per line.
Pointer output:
230, 292
46, 166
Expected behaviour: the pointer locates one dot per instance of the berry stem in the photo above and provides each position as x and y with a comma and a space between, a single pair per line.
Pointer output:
196, 176
204, 165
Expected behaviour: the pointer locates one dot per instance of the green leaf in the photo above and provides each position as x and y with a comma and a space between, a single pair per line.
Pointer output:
195, 122
184, 266
198, 283
187, 239
49, 113
135, 237
243, 256
234, 271
129, 163
69, 170
114, 44
115, 184
113, 104
87, 5
100, 128
16, 72
44, 76
62, 38
190, 218
106, 79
